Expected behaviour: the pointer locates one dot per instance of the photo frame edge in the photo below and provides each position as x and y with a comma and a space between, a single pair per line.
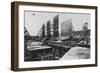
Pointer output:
14, 36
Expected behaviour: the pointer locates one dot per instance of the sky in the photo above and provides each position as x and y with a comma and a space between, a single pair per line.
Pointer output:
34, 20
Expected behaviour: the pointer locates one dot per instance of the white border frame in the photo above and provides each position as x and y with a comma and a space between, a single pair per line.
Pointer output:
33, 64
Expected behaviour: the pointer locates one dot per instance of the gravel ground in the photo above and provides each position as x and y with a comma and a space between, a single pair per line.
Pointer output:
77, 53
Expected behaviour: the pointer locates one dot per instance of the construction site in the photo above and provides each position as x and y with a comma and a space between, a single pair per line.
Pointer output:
52, 44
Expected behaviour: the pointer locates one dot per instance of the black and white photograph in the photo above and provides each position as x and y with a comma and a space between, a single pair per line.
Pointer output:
53, 36
56, 36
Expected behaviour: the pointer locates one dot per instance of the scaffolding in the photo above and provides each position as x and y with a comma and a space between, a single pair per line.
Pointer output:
26, 34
